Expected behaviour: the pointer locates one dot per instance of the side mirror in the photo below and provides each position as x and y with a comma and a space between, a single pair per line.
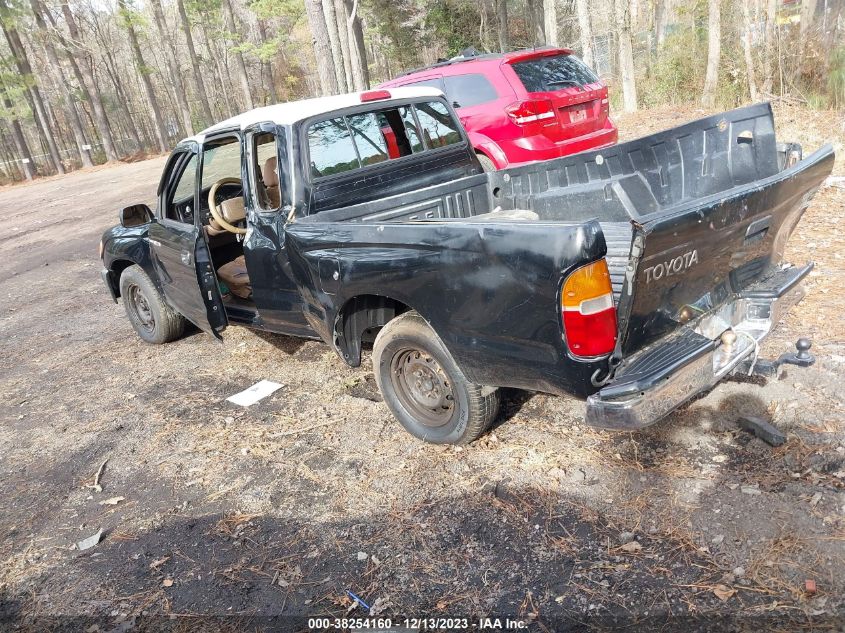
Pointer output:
135, 215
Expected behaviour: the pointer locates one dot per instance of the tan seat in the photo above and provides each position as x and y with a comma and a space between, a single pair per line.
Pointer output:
235, 276
270, 176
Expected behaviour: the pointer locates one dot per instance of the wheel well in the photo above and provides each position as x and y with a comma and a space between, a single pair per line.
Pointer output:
359, 320
117, 268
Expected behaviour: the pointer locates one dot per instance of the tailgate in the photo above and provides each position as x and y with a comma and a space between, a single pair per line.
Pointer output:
689, 260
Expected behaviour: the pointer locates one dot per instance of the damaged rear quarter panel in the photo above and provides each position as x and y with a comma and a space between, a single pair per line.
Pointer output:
489, 290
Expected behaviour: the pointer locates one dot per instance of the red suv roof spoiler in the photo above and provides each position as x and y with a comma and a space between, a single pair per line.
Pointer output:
519, 56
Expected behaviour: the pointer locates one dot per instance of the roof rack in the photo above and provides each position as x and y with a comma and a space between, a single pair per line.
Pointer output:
469, 54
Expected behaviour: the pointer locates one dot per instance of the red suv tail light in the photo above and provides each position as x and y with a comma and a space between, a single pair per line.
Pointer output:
588, 314
526, 112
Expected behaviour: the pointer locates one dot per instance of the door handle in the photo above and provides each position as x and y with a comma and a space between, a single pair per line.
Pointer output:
153, 242
186, 258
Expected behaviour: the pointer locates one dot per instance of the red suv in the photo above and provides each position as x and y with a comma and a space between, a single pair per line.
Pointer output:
522, 106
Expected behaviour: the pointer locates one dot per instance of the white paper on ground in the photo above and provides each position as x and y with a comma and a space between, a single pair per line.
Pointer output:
259, 390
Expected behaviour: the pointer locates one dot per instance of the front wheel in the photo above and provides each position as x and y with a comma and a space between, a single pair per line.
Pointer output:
154, 321
424, 388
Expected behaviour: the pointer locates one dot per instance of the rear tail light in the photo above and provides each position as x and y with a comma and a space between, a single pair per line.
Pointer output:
525, 112
605, 105
589, 317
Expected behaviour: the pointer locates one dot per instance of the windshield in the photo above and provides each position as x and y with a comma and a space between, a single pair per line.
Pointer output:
221, 160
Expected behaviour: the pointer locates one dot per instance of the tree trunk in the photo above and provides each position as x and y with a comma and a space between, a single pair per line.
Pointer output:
267, 69
585, 29
535, 22
220, 79
343, 38
550, 22
502, 24
195, 65
322, 46
714, 52
771, 33
24, 155
660, 21
61, 79
173, 68
808, 14
160, 131
87, 85
229, 14
126, 119
24, 68
626, 55
357, 50
334, 44
746, 49
10, 163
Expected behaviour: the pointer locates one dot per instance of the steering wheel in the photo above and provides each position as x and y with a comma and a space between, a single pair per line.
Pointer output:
215, 212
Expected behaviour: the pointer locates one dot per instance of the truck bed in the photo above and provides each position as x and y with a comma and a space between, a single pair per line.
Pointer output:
628, 182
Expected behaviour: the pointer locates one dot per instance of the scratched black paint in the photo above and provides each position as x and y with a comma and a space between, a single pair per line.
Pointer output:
491, 289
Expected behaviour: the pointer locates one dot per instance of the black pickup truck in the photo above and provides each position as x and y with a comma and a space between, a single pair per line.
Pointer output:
635, 276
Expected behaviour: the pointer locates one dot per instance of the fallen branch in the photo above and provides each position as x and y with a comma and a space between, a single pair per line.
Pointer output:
96, 485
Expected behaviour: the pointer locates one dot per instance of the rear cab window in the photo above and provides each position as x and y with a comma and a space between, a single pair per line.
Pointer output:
553, 73
360, 140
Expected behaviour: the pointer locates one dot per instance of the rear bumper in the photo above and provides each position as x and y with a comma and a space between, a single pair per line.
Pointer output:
662, 377
530, 149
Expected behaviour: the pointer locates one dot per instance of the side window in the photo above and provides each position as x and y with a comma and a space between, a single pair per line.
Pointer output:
469, 90
431, 82
331, 147
264, 172
437, 125
180, 201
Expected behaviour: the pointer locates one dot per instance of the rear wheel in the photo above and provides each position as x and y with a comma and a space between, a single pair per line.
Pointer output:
485, 161
153, 320
425, 389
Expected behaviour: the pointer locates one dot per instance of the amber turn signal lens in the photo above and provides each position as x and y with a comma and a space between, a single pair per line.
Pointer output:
587, 311
588, 282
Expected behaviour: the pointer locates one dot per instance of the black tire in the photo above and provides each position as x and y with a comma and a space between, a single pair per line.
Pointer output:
424, 388
154, 321
485, 161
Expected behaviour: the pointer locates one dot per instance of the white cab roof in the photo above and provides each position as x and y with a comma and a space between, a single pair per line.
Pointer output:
293, 111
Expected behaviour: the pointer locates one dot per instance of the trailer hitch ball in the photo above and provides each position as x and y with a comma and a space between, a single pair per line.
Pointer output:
802, 357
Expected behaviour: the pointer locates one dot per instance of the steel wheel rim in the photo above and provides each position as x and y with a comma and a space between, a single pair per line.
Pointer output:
423, 387
141, 308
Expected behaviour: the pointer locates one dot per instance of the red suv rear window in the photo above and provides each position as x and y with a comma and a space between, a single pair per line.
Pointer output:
548, 74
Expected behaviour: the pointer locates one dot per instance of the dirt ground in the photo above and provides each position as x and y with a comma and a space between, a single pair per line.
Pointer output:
257, 518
